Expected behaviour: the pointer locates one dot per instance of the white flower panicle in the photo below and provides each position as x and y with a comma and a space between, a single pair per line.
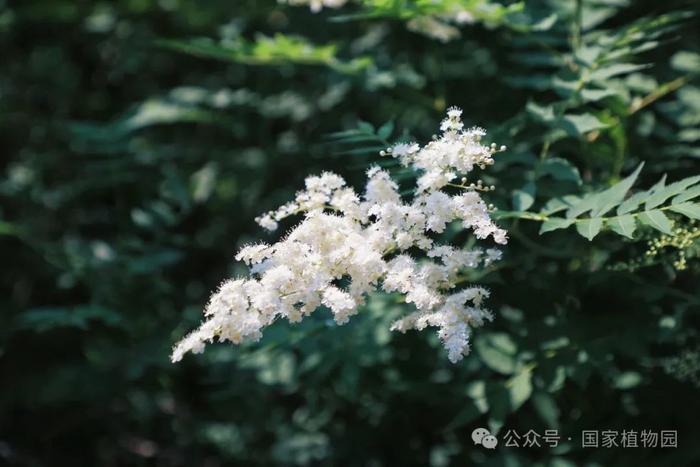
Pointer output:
367, 242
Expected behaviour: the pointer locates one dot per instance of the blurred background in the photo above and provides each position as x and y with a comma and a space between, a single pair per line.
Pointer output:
140, 138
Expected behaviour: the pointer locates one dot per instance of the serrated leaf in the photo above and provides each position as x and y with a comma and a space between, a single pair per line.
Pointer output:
555, 223
688, 195
632, 203
661, 194
589, 228
600, 203
555, 205
615, 194
586, 203
691, 210
623, 225
657, 220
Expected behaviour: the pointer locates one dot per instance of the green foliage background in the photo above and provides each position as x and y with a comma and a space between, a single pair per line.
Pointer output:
140, 138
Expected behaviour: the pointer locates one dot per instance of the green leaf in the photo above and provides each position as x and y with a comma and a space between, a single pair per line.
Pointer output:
632, 203
545, 23
635, 200
600, 203
688, 62
266, 50
616, 69
560, 169
497, 351
7, 229
661, 194
203, 182
627, 380
546, 408
576, 125
555, 223
589, 228
623, 225
615, 194
691, 210
594, 95
587, 55
362, 150
688, 195
524, 197
366, 127
385, 130
657, 220
555, 205
541, 114
520, 388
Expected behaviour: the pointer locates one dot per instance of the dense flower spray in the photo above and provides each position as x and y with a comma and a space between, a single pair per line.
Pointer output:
363, 241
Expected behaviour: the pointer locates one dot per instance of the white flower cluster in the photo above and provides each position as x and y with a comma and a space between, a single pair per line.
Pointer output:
348, 245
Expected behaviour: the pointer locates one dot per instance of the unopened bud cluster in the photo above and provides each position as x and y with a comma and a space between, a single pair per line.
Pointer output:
681, 240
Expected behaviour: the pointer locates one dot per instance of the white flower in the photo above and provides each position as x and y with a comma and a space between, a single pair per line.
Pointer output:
405, 152
267, 222
474, 214
454, 113
438, 207
381, 188
364, 241
253, 254
340, 302
492, 255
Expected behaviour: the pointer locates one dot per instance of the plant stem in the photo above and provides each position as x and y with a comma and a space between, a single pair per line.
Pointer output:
663, 90
531, 216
